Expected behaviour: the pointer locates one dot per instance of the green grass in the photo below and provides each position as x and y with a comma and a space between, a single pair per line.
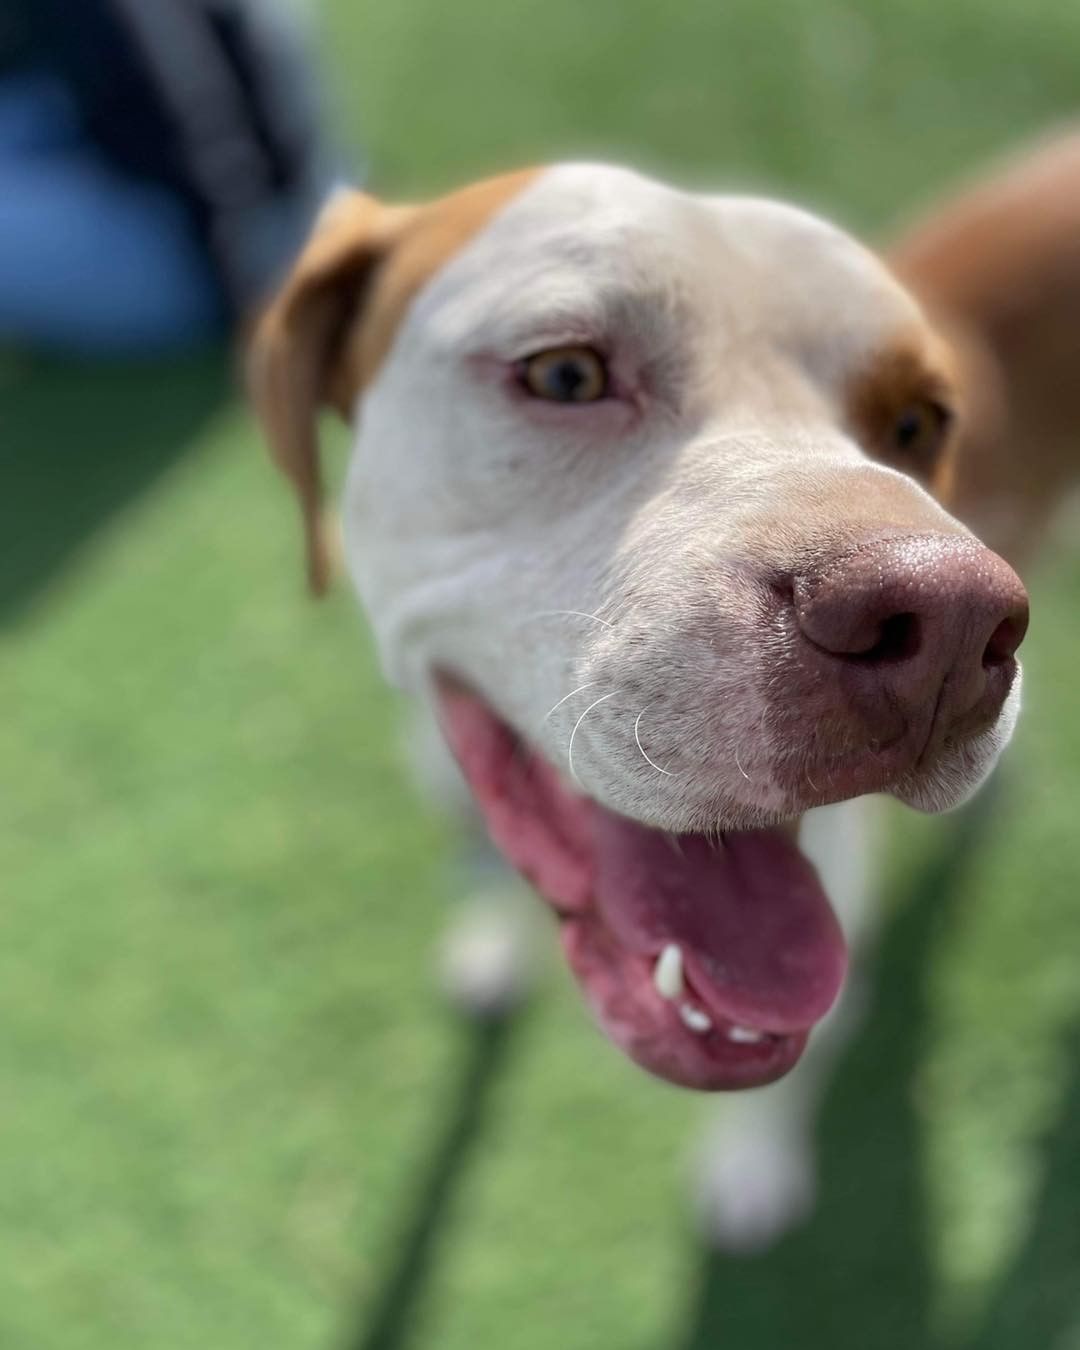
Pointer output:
232, 1110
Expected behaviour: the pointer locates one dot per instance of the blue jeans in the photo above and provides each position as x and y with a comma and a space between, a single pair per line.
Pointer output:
91, 262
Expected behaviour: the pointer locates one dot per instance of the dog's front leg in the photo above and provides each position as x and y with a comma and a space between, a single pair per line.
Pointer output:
754, 1172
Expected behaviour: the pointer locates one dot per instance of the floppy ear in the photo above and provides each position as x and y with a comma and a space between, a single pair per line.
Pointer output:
299, 359
322, 338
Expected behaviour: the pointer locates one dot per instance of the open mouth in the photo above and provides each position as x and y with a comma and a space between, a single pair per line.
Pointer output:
707, 960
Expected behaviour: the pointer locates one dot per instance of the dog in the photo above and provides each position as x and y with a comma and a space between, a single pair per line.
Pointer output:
655, 504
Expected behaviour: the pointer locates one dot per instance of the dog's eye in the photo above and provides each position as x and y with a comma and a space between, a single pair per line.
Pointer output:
920, 429
566, 375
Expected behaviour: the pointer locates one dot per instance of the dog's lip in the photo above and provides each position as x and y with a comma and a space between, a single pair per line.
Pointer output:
761, 947
882, 767
620, 989
825, 780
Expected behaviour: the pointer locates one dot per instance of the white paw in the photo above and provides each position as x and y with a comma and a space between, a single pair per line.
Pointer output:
487, 963
751, 1187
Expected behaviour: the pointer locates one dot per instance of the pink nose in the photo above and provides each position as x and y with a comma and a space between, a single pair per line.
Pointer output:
916, 622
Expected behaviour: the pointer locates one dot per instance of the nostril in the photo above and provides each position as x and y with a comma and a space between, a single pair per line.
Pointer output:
1004, 640
899, 639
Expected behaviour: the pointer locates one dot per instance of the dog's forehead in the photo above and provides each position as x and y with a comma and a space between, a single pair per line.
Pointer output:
765, 269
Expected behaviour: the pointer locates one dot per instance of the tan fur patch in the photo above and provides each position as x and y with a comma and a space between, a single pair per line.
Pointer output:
822, 512
424, 241
998, 270
323, 337
914, 370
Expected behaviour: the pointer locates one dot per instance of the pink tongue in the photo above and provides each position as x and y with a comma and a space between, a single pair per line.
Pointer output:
759, 939
760, 942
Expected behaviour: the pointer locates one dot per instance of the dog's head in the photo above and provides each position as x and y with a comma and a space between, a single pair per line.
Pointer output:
640, 498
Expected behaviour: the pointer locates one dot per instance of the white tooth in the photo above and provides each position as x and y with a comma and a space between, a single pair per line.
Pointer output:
695, 1019
744, 1035
668, 972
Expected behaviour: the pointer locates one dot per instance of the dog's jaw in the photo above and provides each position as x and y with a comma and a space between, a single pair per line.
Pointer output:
707, 960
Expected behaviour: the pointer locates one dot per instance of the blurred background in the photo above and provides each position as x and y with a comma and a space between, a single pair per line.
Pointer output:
233, 1110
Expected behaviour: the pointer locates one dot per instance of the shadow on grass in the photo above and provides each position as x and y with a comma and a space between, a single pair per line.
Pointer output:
1039, 1302
857, 1276
388, 1323
78, 443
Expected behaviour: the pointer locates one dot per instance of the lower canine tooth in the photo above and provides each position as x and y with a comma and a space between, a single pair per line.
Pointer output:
744, 1035
695, 1019
668, 972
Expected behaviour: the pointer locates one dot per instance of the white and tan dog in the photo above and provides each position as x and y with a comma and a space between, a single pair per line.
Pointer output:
640, 504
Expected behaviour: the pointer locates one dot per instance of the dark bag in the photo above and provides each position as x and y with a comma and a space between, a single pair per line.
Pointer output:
212, 98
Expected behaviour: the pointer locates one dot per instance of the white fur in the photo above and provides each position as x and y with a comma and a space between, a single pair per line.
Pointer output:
586, 569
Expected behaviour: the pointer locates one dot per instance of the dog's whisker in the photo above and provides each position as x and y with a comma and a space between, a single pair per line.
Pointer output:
637, 737
569, 614
813, 785
587, 685
741, 769
570, 748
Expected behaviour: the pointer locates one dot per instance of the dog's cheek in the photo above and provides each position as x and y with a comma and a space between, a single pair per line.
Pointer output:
668, 711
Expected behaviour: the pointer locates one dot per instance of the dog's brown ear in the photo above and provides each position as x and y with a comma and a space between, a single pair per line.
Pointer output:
301, 358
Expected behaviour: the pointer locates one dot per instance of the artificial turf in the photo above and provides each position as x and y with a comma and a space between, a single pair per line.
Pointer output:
233, 1112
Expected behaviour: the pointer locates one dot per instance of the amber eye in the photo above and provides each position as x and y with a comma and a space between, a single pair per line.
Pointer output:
920, 429
566, 375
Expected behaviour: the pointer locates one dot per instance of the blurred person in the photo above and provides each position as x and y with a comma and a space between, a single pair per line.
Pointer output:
160, 162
